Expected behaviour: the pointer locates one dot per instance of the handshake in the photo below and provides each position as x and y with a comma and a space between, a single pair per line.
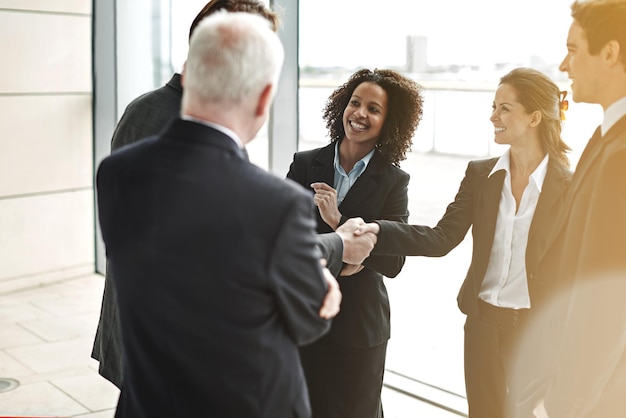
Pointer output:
358, 239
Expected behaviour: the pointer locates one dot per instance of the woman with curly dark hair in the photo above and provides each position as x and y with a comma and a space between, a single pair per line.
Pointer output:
371, 119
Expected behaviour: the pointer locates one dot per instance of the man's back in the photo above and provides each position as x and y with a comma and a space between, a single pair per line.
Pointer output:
149, 113
217, 275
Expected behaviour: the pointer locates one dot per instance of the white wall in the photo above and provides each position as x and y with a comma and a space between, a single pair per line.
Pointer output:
46, 187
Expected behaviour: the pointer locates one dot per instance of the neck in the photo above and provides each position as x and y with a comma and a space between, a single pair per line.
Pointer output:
525, 161
350, 153
228, 117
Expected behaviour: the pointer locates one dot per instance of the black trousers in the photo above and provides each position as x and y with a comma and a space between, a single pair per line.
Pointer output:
491, 342
344, 382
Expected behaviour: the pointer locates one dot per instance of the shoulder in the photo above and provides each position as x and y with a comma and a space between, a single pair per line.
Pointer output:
163, 96
313, 154
559, 171
483, 165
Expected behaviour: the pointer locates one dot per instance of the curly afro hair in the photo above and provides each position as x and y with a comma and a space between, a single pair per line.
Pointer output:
404, 98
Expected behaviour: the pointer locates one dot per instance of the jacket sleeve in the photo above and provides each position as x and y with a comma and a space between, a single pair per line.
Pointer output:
331, 247
395, 209
402, 239
295, 264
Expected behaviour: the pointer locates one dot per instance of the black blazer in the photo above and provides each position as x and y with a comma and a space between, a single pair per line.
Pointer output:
379, 193
217, 275
476, 205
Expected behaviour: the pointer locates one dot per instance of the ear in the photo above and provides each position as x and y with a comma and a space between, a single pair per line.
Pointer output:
611, 53
535, 118
182, 75
265, 100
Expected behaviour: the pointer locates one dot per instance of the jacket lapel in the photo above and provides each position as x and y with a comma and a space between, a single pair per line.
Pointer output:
364, 185
546, 215
485, 217
595, 148
322, 169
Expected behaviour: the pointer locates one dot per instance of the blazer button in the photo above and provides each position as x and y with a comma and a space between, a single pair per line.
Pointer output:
532, 276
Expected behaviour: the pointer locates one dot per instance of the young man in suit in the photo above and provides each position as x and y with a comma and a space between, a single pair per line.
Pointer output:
589, 378
214, 260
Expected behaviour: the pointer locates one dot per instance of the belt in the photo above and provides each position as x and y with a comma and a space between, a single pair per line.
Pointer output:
502, 317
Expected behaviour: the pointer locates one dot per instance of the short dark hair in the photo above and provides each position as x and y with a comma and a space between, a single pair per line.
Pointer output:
248, 6
602, 21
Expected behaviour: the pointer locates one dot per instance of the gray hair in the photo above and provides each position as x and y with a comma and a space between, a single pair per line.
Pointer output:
232, 57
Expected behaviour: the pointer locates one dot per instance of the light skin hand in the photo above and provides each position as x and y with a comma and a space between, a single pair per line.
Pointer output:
371, 227
326, 200
355, 248
332, 300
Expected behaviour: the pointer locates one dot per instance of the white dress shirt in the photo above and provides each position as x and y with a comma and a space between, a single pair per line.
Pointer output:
228, 132
505, 283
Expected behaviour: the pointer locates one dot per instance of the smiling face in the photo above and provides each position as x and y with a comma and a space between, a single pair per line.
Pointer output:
365, 114
512, 123
582, 67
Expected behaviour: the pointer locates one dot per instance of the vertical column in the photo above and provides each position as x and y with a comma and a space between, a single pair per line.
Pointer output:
283, 124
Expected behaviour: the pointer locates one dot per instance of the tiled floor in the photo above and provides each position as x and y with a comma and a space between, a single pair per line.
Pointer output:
45, 344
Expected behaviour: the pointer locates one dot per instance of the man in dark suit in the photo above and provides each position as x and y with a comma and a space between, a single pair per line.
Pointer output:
148, 115
214, 260
589, 378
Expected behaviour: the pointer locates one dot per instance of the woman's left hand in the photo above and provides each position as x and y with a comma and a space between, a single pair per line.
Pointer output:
326, 200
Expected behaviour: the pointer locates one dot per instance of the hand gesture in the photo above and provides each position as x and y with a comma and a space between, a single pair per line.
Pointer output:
326, 200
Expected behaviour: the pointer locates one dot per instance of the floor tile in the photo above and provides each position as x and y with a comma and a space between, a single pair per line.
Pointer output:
91, 390
39, 399
12, 335
13, 314
54, 329
51, 357
12, 368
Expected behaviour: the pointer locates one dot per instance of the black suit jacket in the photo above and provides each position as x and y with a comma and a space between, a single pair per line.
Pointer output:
217, 276
476, 205
379, 193
590, 378
148, 115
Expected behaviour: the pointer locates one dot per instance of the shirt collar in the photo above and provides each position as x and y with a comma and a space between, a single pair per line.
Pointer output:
360, 165
228, 132
538, 176
612, 114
